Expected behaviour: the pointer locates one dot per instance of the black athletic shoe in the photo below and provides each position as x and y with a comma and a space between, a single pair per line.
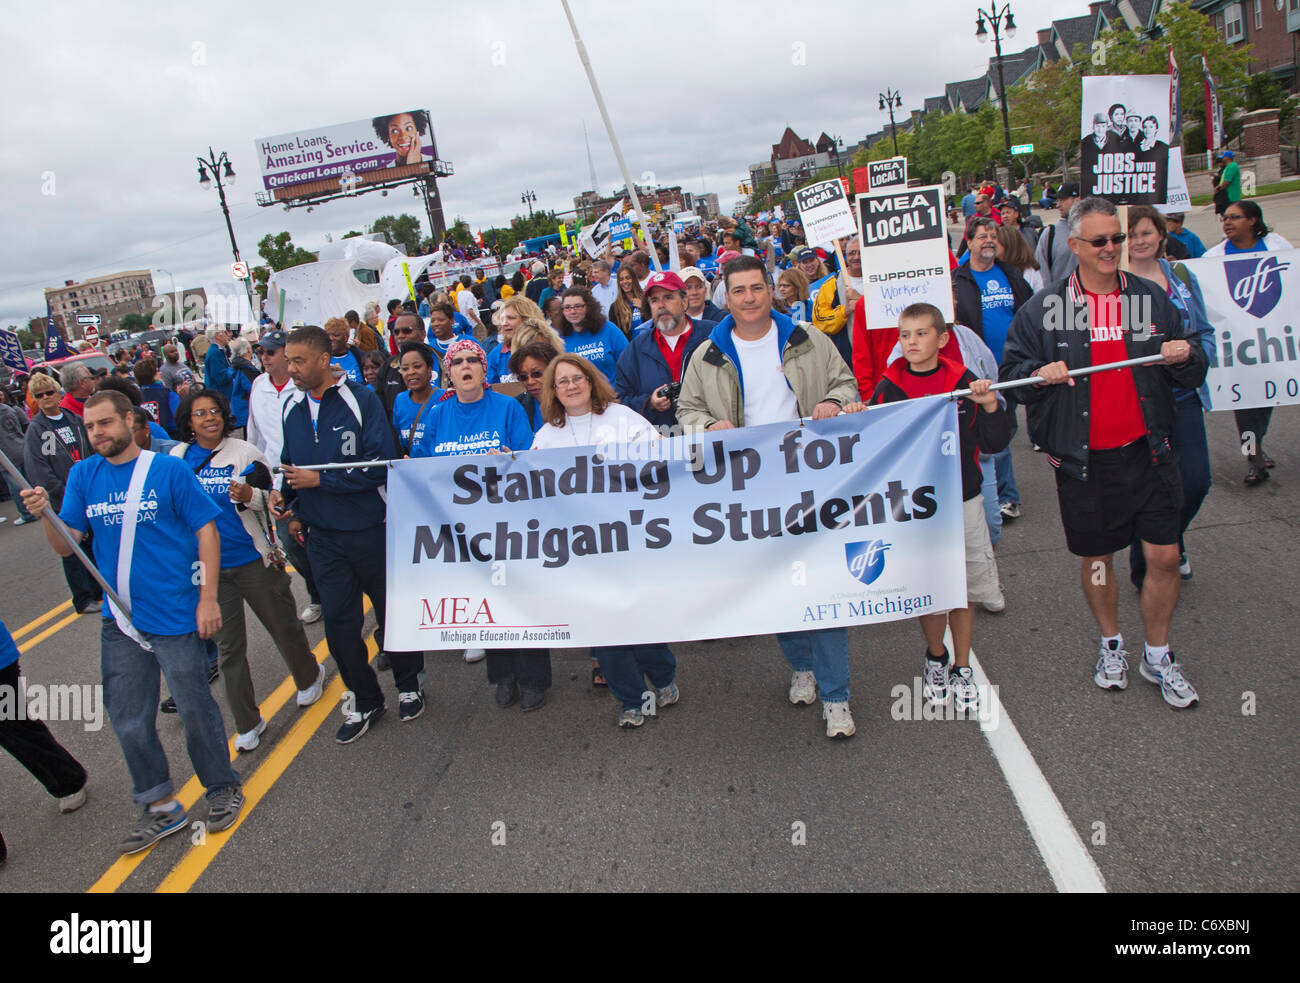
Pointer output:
506, 693
355, 725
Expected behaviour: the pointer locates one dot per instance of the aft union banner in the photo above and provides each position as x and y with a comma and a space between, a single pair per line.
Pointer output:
1252, 299
783, 527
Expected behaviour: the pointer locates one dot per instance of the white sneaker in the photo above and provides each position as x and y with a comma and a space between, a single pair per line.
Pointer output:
249, 740
1112, 668
803, 688
308, 696
934, 676
475, 655
998, 606
839, 722
310, 614
73, 802
965, 694
1168, 675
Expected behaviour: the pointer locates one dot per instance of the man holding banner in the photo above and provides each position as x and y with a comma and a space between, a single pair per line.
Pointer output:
1107, 435
756, 368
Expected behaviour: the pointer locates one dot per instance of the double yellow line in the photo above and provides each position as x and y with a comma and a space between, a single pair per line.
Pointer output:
59, 625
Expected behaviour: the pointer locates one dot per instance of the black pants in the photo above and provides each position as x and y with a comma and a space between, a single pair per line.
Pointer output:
297, 555
31, 742
1253, 423
85, 588
347, 564
530, 668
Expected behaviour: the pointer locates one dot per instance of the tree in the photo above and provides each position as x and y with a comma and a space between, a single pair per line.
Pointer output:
280, 253
27, 338
459, 232
352, 235
1049, 104
1264, 91
402, 231
133, 322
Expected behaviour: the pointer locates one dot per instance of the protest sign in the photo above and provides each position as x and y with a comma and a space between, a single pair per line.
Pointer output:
1121, 155
888, 173
595, 237
1251, 301
784, 527
11, 351
1179, 199
825, 213
904, 252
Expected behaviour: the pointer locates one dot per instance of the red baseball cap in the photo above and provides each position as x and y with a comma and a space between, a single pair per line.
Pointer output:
666, 279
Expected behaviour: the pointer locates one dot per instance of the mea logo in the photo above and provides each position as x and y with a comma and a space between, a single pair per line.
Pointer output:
866, 560
1255, 284
102, 937
454, 611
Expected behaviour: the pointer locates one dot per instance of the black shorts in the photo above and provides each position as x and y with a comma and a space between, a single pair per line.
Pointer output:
1126, 497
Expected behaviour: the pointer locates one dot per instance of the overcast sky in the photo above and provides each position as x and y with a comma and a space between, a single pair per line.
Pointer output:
108, 105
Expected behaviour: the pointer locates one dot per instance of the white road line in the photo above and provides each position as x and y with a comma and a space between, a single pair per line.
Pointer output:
1068, 861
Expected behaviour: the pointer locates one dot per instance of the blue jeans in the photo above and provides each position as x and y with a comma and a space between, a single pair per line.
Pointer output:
824, 652
1007, 490
131, 698
15, 493
1187, 437
627, 666
989, 489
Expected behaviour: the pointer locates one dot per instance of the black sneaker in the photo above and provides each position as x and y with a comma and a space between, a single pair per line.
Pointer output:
152, 827
167, 706
356, 724
214, 670
506, 693
382, 662
531, 699
410, 705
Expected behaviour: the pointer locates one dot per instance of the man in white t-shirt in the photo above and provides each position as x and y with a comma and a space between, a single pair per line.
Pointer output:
759, 367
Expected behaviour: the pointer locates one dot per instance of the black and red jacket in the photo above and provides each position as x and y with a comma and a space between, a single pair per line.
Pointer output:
981, 432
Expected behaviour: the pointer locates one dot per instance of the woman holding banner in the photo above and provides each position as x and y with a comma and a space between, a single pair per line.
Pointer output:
1244, 231
582, 410
1146, 254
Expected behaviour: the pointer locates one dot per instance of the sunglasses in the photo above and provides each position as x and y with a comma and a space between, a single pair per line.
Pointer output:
467, 360
1100, 241
539, 374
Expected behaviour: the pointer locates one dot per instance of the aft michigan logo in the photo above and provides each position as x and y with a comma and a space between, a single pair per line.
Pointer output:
866, 560
1255, 284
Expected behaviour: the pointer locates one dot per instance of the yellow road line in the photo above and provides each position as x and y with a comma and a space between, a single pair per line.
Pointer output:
58, 625
125, 866
20, 632
196, 860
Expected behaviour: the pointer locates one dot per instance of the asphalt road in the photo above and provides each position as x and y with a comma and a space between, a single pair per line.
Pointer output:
708, 795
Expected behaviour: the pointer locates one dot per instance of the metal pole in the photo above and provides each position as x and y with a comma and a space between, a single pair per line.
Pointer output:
1002, 82
609, 128
66, 533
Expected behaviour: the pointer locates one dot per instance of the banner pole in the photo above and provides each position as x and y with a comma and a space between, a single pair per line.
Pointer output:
66, 533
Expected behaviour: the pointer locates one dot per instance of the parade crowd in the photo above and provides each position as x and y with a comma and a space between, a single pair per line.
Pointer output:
195, 483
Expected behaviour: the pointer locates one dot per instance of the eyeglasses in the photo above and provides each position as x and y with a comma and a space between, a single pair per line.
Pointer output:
539, 374
467, 360
200, 414
570, 309
1100, 241
571, 381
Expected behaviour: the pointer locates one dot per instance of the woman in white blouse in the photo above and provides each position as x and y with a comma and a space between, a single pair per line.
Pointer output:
581, 409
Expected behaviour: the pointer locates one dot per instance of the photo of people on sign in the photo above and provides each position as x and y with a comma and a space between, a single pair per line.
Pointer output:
1121, 155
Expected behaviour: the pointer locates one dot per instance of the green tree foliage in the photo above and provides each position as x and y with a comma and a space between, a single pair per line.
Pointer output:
133, 322
280, 253
1049, 103
1264, 91
28, 338
352, 234
459, 231
402, 231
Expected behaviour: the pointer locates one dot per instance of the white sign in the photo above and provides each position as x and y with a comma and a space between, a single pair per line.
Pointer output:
1251, 301
1121, 155
904, 252
1179, 198
91, 333
87, 318
239, 270
888, 173
595, 238
867, 507
825, 213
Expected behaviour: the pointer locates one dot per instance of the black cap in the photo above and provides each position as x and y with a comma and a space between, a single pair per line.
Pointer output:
1070, 189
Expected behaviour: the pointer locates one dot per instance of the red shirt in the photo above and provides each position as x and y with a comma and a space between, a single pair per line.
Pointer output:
673, 356
72, 404
1115, 416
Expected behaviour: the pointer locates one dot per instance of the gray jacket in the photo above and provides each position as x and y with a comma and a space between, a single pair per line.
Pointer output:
50, 470
1063, 260
13, 424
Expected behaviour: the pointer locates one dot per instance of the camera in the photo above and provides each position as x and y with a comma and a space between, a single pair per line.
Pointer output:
670, 392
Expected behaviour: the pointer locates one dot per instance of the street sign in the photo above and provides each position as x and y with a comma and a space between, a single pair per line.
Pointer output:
92, 334
1023, 148
87, 318
239, 271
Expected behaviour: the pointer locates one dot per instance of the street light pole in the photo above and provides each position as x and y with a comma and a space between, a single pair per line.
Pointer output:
528, 198
982, 34
218, 167
176, 304
889, 100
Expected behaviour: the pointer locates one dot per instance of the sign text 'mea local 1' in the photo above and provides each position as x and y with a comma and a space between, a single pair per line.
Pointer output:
888, 173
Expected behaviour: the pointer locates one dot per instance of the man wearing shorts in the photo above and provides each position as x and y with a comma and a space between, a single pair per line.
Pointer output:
1107, 434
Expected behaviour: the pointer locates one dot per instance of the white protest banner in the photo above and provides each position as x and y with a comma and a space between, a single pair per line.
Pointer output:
1251, 300
1121, 155
904, 252
846, 521
825, 212
1179, 199
888, 173
596, 237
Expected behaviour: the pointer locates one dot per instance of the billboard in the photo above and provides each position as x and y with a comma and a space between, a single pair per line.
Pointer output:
367, 151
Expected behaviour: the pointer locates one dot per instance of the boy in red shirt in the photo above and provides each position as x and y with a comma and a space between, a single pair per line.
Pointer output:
984, 428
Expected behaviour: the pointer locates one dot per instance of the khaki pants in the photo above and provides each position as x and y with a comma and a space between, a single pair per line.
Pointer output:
267, 592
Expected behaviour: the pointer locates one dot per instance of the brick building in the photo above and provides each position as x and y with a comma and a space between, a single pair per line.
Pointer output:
112, 297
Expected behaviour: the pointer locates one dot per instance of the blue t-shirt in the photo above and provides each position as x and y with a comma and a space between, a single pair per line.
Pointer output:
1259, 247
491, 423
348, 363
173, 507
999, 308
461, 324
601, 349
498, 365
405, 410
236, 546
